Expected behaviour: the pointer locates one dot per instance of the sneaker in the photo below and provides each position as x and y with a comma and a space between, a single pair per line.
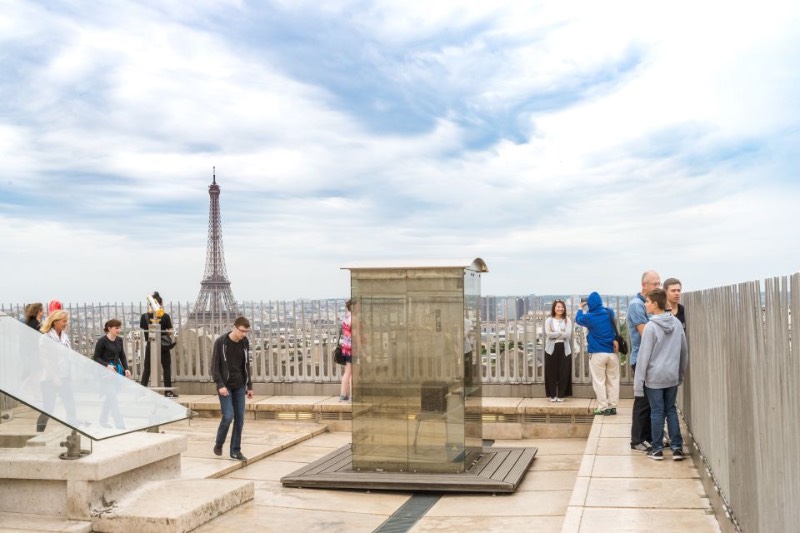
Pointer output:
640, 447
218, 449
343, 398
599, 412
611, 411
559, 399
655, 455
677, 455
238, 457
553, 399
170, 394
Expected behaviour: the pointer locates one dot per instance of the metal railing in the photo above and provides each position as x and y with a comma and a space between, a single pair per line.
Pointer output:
293, 342
742, 397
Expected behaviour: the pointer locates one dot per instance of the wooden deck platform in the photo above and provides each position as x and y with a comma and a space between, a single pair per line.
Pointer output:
496, 470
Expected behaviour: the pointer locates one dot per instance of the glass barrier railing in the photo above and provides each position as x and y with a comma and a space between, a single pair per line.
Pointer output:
75, 390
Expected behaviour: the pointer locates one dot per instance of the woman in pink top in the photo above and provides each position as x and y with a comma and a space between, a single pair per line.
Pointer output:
347, 352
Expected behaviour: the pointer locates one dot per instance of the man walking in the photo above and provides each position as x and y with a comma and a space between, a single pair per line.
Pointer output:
603, 359
662, 362
636, 321
231, 371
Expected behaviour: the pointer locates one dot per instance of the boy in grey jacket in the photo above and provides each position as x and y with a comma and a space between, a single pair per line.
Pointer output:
662, 362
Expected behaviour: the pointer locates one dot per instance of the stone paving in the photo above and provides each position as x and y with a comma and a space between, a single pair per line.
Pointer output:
573, 485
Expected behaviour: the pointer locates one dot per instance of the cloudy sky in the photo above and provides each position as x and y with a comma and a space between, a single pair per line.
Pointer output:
569, 147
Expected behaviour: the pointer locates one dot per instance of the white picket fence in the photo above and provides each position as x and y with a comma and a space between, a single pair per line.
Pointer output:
293, 341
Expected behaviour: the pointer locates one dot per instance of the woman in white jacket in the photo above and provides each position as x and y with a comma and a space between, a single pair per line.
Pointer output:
558, 353
57, 379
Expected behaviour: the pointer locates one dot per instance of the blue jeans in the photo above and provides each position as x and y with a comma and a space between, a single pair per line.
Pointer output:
662, 404
232, 410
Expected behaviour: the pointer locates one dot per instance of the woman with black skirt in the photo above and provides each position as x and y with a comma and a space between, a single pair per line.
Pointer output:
558, 353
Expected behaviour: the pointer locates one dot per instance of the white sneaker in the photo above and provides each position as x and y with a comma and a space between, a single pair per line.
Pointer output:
559, 399
553, 399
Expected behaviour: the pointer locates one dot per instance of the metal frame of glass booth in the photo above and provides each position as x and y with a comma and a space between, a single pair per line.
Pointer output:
416, 360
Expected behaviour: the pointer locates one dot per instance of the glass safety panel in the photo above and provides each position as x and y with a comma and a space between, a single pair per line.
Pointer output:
436, 370
408, 380
75, 390
380, 349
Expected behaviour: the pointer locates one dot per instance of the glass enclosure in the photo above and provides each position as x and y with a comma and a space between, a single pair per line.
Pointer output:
416, 380
75, 390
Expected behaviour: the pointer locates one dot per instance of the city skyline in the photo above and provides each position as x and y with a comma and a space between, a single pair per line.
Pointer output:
571, 148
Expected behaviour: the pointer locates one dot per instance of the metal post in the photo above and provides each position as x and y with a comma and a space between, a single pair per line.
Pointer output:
73, 446
155, 352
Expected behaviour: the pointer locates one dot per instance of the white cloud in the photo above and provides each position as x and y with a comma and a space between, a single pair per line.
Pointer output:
571, 148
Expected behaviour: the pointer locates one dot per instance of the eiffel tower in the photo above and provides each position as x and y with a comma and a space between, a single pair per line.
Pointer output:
215, 307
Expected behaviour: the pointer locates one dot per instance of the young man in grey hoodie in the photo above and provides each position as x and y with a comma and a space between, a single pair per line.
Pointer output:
662, 362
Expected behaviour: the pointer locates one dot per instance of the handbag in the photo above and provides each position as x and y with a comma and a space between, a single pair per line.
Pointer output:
622, 344
166, 340
338, 356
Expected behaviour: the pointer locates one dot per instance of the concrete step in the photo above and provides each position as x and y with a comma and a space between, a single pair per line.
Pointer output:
36, 522
172, 506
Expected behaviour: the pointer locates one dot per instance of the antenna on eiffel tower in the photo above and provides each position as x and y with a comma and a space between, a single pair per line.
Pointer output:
215, 307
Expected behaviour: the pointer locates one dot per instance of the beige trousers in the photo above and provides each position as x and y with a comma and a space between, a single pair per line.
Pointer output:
605, 378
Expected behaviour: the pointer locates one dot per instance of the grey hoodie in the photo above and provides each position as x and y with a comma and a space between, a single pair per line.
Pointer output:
663, 354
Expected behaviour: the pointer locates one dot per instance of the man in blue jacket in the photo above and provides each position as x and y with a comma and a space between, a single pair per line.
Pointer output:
603, 359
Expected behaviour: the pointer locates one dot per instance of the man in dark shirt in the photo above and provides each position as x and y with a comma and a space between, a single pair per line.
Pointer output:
231, 371
165, 322
673, 288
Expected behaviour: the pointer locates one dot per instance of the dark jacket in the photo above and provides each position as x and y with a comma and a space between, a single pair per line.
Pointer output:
165, 322
219, 363
601, 331
108, 352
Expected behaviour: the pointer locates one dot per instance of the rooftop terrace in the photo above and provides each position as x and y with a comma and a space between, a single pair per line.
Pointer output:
578, 484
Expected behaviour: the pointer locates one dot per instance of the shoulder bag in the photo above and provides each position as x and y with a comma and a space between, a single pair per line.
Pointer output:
622, 344
338, 356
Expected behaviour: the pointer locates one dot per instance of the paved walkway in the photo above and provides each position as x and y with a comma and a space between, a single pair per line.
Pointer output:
573, 485
618, 489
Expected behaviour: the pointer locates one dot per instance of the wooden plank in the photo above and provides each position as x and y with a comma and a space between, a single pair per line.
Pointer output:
509, 460
495, 460
520, 467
